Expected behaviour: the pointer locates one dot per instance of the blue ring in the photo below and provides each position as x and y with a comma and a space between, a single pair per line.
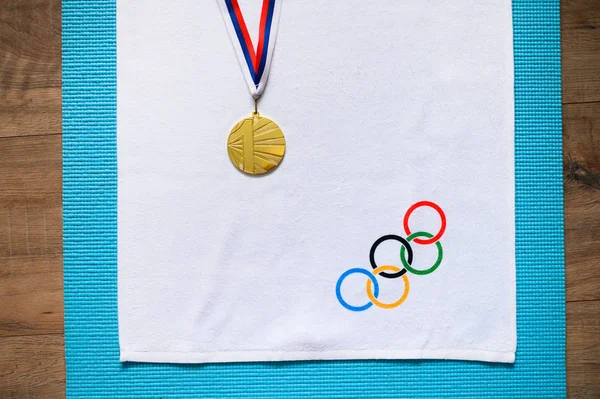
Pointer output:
339, 286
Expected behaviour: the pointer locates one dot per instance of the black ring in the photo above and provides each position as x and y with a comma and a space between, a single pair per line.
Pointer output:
403, 242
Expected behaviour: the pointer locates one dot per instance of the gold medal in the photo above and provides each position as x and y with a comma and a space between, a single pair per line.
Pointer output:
256, 145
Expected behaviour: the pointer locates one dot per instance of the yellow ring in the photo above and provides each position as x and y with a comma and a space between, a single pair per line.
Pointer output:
376, 302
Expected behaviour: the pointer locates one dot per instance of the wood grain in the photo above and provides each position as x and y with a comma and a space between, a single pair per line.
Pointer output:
31, 306
31, 199
581, 150
30, 65
31, 301
580, 35
583, 349
32, 367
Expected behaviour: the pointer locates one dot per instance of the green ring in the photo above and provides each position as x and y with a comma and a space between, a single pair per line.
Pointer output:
432, 268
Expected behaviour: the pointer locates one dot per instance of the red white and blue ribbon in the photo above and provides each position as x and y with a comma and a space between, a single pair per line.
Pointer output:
255, 61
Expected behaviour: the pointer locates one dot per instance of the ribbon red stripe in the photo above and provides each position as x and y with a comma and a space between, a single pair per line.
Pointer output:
262, 28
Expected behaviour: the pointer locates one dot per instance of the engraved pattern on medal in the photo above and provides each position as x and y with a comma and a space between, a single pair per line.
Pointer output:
256, 145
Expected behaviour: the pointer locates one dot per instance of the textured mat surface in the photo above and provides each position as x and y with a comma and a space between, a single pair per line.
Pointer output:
90, 246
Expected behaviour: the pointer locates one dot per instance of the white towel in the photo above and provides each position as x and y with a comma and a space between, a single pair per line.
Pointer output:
384, 104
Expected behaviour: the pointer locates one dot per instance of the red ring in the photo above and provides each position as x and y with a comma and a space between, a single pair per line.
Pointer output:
438, 210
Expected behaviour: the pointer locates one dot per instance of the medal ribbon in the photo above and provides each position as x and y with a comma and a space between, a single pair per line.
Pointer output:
255, 63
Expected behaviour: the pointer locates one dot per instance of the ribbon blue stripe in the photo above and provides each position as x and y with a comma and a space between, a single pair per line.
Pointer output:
240, 36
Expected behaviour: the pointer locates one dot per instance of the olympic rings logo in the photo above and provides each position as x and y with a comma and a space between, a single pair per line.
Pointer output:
406, 258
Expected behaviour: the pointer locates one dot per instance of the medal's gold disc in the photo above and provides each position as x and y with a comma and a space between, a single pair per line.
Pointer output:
256, 145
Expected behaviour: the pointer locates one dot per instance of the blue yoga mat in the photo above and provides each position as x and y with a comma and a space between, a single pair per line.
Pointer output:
90, 246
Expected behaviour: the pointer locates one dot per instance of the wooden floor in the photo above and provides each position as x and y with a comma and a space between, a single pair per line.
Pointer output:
31, 307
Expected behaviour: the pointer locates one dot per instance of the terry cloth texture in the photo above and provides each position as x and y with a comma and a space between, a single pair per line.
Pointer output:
217, 266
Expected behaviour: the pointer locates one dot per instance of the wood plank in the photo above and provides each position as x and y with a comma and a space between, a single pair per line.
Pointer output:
30, 226
30, 199
580, 34
30, 167
582, 272
581, 143
30, 236
31, 296
30, 60
32, 367
580, 31
582, 199
583, 350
